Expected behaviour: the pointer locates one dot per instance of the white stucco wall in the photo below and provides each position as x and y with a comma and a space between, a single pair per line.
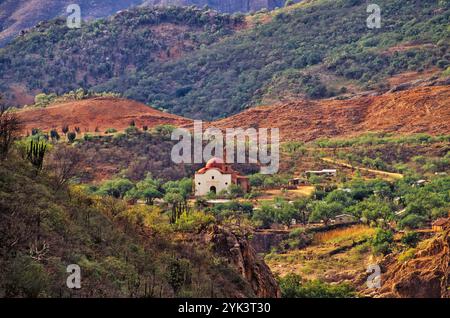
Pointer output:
211, 178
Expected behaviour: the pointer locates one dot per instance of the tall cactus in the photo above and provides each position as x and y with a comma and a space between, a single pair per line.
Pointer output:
35, 154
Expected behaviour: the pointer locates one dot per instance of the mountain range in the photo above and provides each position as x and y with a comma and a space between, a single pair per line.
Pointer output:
18, 15
202, 64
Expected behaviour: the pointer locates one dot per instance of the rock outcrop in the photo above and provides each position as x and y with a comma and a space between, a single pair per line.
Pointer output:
241, 255
426, 275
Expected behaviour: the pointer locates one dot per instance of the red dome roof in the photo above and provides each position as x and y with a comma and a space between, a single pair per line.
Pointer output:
214, 163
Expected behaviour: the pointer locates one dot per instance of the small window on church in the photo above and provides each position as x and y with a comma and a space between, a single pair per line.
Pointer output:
199, 183
226, 183
212, 177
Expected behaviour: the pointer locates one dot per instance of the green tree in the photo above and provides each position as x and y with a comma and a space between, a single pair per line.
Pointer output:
340, 196
235, 191
9, 130
116, 188
178, 274
382, 241
412, 221
292, 286
71, 136
302, 207
148, 189
411, 239
372, 209
265, 215
26, 277
324, 211
285, 213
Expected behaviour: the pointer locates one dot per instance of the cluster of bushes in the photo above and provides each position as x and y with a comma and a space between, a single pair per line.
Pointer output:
372, 139
410, 155
375, 202
266, 181
293, 286
295, 83
383, 243
175, 193
43, 100
282, 212
432, 165
134, 154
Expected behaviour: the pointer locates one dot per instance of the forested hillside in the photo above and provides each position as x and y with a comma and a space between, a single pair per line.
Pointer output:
314, 49
53, 58
18, 15
124, 250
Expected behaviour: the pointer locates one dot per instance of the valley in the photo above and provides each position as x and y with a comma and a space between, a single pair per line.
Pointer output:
358, 205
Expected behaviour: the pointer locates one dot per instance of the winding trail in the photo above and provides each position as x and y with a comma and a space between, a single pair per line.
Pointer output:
384, 174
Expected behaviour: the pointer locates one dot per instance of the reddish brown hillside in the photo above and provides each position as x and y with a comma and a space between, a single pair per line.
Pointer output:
420, 110
100, 113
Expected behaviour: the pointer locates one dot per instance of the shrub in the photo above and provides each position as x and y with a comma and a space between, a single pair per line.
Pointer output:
54, 135
88, 137
264, 216
235, 191
407, 255
110, 131
71, 136
412, 221
411, 239
116, 188
26, 277
292, 286
131, 130
381, 243
194, 221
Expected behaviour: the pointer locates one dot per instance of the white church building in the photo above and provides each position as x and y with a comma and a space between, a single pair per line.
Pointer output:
217, 176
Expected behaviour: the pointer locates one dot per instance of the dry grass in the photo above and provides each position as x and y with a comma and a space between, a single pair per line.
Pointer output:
302, 191
355, 232
314, 262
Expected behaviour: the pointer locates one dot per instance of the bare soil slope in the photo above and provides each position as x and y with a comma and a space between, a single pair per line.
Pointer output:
420, 110
97, 114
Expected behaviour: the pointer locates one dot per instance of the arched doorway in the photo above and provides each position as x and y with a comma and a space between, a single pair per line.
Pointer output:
213, 189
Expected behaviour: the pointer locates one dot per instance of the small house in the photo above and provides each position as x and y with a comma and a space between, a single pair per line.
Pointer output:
439, 224
323, 172
343, 219
294, 182
400, 213
419, 183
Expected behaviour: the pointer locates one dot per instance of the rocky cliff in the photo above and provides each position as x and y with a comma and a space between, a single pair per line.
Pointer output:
426, 275
241, 255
